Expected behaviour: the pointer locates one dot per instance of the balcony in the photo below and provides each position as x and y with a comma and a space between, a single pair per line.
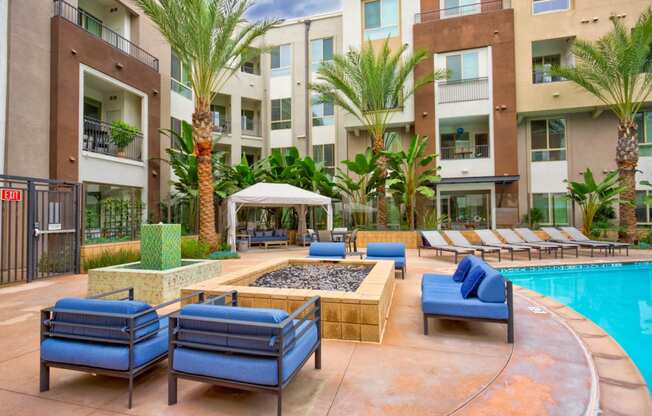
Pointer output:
462, 10
220, 124
479, 151
98, 138
453, 91
96, 28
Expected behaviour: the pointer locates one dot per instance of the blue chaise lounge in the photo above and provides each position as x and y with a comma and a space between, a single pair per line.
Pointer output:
476, 291
119, 338
327, 251
388, 251
242, 348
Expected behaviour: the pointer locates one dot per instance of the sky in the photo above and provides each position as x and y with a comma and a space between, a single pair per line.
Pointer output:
291, 8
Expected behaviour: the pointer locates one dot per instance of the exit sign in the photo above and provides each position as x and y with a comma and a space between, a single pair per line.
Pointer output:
11, 194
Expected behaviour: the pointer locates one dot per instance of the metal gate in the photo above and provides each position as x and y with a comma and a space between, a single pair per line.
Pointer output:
39, 228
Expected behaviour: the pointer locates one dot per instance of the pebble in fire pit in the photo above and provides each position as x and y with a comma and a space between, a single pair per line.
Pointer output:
315, 277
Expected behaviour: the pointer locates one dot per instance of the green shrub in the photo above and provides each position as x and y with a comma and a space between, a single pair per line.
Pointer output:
194, 249
223, 255
123, 133
108, 258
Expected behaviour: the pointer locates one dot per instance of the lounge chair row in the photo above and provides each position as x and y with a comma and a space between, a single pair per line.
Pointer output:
521, 240
242, 348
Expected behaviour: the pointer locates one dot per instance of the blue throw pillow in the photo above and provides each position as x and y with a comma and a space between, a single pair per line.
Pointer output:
269, 233
463, 268
492, 288
258, 233
472, 282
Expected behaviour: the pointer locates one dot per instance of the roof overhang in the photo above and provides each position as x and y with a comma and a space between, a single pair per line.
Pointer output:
480, 179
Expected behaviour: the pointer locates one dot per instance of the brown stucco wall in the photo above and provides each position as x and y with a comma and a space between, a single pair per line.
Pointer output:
64, 97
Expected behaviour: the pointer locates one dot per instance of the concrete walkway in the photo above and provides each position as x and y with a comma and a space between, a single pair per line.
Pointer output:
460, 368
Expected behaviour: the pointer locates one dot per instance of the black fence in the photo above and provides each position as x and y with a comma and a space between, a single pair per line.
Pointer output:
182, 212
98, 138
470, 152
96, 28
462, 10
114, 220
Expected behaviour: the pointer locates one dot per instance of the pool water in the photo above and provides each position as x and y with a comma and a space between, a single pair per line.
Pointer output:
618, 297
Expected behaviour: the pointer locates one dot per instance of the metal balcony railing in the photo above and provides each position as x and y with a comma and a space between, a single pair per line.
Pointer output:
479, 151
463, 90
98, 139
220, 124
96, 28
462, 10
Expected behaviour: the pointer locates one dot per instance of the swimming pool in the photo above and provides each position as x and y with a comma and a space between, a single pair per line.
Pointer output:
618, 297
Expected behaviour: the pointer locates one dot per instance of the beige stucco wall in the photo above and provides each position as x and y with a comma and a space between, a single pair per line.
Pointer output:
587, 19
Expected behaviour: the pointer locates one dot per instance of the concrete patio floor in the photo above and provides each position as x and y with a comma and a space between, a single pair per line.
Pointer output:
460, 368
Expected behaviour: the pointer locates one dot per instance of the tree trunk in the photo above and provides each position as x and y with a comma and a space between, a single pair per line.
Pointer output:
627, 159
202, 132
378, 147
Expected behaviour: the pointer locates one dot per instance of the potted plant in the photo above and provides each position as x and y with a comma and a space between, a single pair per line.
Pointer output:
122, 135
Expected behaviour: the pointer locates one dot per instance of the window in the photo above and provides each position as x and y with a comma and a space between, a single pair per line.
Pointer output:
454, 8
644, 122
221, 121
247, 120
321, 50
175, 126
542, 69
325, 153
281, 56
249, 67
548, 140
180, 73
380, 19
281, 113
89, 22
463, 66
547, 6
643, 210
553, 206
111, 212
323, 114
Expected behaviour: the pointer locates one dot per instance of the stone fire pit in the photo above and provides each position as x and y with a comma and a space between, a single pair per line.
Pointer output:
357, 310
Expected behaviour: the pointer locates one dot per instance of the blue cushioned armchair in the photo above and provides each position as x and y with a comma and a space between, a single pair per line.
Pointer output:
327, 251
255, 349
388, 251
476, 291
120, 338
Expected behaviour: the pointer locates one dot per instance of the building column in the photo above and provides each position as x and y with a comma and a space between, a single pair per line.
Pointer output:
236, 129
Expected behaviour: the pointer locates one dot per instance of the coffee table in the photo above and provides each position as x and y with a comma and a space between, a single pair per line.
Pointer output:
275, 243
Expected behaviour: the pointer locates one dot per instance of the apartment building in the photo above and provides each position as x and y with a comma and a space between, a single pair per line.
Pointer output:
562, 130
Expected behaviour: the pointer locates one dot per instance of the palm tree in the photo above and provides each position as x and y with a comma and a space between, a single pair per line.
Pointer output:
371, 85
592, 196
411, 172
213, 38
618, 71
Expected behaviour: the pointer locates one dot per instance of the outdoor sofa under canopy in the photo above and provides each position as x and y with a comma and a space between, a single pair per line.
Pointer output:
272, 195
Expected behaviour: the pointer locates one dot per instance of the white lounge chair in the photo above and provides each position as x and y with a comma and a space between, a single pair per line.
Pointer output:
531, 237
433, 240
490, 239
512, 238
459, 240
577, 235
558, 237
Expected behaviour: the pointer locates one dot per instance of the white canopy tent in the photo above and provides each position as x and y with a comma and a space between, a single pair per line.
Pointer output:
275, 195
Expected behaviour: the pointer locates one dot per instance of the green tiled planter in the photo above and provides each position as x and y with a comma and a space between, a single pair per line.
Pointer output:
160, 246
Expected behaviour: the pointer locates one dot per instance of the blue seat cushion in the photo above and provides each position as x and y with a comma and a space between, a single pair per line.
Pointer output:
266, 343
399, 262
116, 328
103, 355
327, 250
464, 267
492, 288
386, 250
246, 368
436, 280
451, 303
470, 285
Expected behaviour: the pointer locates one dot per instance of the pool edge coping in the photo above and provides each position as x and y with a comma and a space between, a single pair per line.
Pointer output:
598, 402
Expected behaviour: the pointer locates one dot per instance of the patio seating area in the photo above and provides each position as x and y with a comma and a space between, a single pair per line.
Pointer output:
461, 367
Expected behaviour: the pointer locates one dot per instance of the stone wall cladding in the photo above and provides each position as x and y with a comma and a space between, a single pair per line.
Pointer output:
357, 316
151, 286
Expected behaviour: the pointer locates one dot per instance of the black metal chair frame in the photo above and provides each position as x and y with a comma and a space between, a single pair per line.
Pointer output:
303, 313
509, 297
132, 372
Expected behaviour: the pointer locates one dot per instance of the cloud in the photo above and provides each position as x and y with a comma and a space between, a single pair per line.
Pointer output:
291, 8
